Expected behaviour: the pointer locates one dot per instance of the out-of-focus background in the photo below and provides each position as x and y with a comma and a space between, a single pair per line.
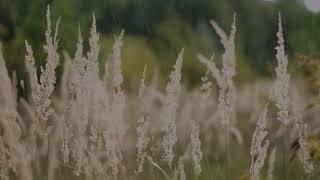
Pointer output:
155, 31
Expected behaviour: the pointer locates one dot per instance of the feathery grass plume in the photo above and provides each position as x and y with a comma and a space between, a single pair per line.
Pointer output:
92, 67
259, 146
41, 91
7, 111
77, 85
34, 83
76, 112
67, 93
209, 63
169, 111
5, 161
271, 164
86, 87
280, 92
118, 96
98, 100
115, 125
6, 87
92, 64
13, 154
304, 151
143, 126
69, 97
196, 153
227, 89
93, 54
48, 78
281, 84
298, 107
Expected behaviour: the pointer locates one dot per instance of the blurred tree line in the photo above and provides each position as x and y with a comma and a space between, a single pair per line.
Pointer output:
157, 30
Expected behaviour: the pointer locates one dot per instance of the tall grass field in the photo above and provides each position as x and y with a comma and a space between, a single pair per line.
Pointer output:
86, 125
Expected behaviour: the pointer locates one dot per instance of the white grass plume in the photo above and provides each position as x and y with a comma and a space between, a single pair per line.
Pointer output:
280, 93
169, 111
304, 151
115, 123
14, 156
227, 89
259, 146
41, 90
196, 153
143, 129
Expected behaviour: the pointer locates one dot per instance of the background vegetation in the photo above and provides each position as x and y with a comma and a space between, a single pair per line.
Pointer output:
157, 30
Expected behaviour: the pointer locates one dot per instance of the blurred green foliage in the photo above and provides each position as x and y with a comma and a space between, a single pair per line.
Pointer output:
157, 30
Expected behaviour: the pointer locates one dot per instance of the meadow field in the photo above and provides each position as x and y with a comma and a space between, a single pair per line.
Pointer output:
87, 125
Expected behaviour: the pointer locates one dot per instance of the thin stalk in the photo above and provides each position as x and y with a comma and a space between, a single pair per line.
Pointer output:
48, 146
226, 144
50, 157
35, 162
63, 172
36, 155
158, 167
284, 151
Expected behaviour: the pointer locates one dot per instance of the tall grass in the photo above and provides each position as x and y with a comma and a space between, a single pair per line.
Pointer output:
95, 129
